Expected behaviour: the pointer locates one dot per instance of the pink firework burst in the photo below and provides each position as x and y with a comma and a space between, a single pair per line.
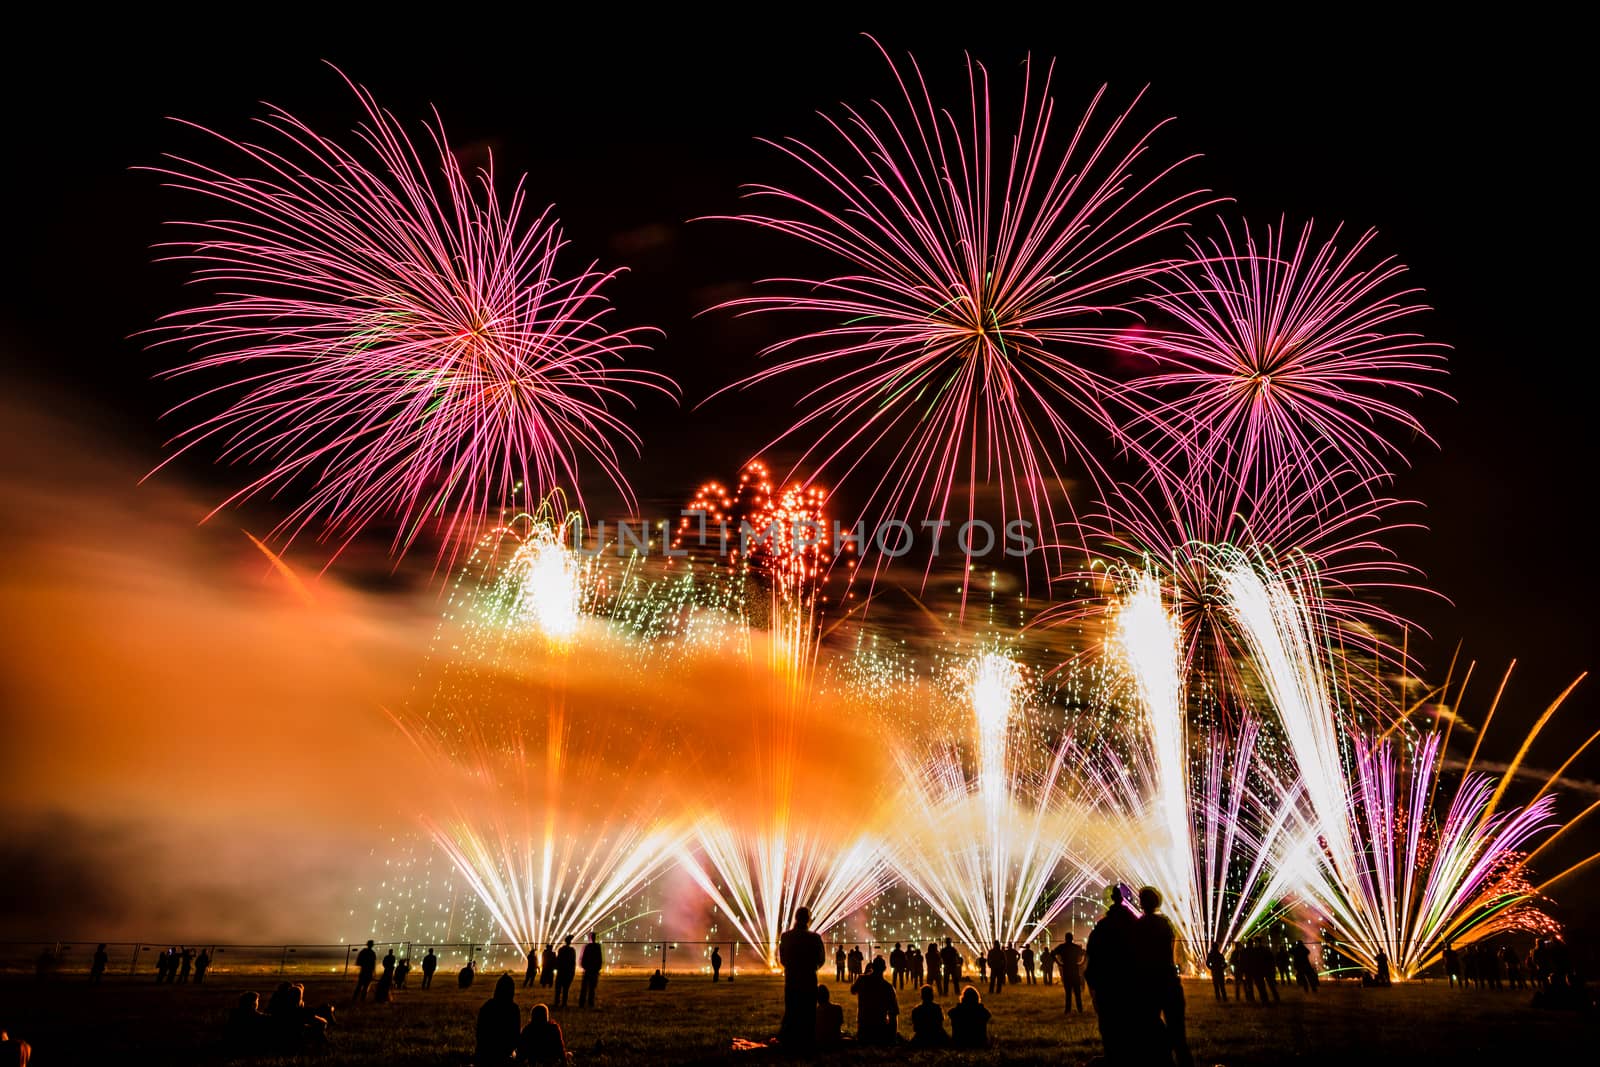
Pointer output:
982, 262
393, 335
1284, 358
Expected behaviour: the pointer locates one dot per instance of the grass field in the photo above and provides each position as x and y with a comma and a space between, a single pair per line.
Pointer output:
69, 1022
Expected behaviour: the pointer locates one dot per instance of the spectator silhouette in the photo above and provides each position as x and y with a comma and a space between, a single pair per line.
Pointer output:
1013, 964
1110, 974
927, 1022
877, 1007
14, 1052
388, 963
547, 962
856, 961
383, 988
969, 1021
293, 1022
185, 964
1381, 979
829, 1028
499, 1025
897, 965
1069, 957
247, 1027
934, 962
1217, 964
1281, 959
840, 961
716, 964
430, 963
97, 969
997, 968
591, 962
532, 975
801, 953
1452, 967
161, 966
1047, 962
1161, 988
566, 968
1267, 966
466, 975
1238, 962
402, 969
1027, 962
202, 964
366, 964
657, 980
949, 968
1304, 973
541, 1040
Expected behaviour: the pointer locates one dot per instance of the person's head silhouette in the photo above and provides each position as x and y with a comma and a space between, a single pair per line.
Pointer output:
969, 995
1069, 938
927, 994
822, 994
567, 940
369, 943
539, 1014
1150, 899
506, 988
802, 919
591, 936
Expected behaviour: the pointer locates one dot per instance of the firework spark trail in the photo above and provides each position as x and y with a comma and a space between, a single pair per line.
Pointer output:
1283, 360
968, 288
997, 856
399, 337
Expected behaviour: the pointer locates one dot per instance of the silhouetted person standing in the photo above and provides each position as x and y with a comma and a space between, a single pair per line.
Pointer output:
927, 1022
877, 1007
499, 1025
466, 975
1382, 977
1047, 963
430, 963
566, 968
716, 964
1157, 962
1452, 967
593, 960
801, 953
1069, 957
1027, 962
856, 961
541, 1041
1304, 972
996, 961
366, 964
532, 975
1217, 964
840, 961
935, 963
547, 972
97, 969
1109, 972
185, 964
949, 968
202, 964
897, 965
969, 1021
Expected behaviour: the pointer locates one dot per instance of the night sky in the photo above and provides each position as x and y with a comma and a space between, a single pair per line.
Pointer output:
1463, 153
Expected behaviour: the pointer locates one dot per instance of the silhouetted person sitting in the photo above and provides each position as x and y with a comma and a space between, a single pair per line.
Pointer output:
499, 1025
1111, 976
247, 1026
877, 1008
716, 965
1156, 945
969, 1021
430, 963
657, 980
465, 975
293, 1022
927, 1022
547, 966
533, 968
566, 968
591, 963
366, 965
801, 953
829, 1029
97, 969
202, 964
541, 1039
14, 1052
383, 988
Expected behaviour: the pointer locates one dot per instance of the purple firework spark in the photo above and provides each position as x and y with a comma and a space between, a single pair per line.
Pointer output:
1283, 359
394, 336
981, 260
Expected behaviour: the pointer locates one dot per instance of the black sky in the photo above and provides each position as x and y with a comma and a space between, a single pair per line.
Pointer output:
1462, 145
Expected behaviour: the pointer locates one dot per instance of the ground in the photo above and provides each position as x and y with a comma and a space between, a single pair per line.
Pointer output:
695, 1021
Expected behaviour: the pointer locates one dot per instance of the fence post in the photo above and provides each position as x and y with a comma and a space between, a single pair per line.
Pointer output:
283, 961
133, 967
733, 960
663, 957
347, 949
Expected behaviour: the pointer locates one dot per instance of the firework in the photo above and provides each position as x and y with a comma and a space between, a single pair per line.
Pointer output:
996, 852
980, 261
1285, 358
392, 335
